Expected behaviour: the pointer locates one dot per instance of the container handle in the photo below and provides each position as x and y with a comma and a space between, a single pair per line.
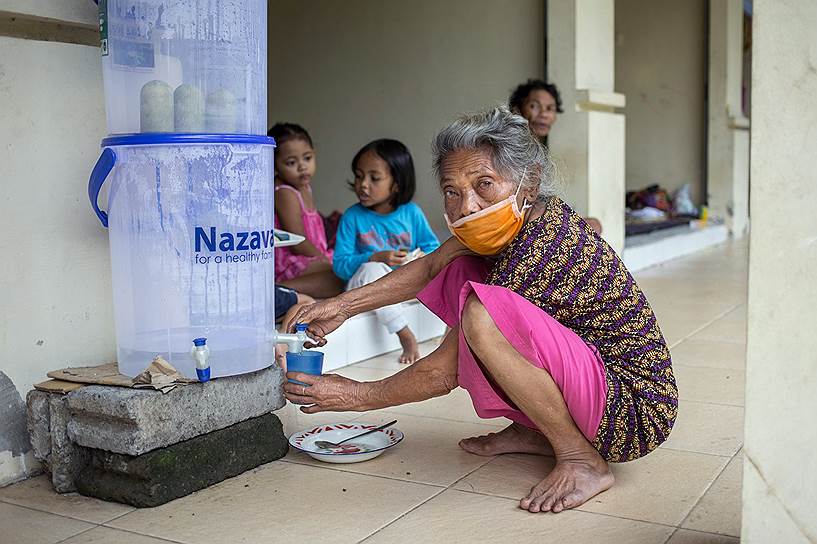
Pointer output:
103, 167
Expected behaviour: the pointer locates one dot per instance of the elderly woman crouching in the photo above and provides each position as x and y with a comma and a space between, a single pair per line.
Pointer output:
548, 328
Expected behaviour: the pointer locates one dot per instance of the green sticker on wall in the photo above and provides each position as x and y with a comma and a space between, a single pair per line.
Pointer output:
103, 27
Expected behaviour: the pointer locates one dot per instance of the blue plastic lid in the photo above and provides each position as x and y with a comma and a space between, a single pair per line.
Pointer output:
301, 327
168, 138
199, 341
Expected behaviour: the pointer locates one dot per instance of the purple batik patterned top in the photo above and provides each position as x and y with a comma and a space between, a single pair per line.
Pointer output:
560, 264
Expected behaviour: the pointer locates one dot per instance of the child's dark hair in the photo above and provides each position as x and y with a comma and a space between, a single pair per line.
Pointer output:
401, 166
522, 91
283, 132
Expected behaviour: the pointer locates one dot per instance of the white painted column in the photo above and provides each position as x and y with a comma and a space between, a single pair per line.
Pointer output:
728, 128
588, 141
780, 467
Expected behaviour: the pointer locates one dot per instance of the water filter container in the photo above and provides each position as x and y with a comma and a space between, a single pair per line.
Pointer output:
185, 66
190, 220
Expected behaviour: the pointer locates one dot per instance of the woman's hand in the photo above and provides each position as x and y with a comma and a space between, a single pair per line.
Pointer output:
391, 257
327, 393
323, 318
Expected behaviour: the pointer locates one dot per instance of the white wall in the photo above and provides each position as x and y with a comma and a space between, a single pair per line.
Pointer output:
354, 71
55, 308
660, 54
75, 11
780, 472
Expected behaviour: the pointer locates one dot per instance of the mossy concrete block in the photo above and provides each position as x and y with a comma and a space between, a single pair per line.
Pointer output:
165, 474
136, 421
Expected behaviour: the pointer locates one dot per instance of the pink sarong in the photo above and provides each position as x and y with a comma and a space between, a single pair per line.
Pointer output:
574, 365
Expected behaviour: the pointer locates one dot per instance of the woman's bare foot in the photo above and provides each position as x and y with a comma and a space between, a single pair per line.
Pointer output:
411, 351
571, 482
515, 438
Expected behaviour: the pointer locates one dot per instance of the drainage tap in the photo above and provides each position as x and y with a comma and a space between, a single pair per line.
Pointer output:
294, 342
200, 353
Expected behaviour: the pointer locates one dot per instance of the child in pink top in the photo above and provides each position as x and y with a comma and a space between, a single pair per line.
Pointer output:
307, 267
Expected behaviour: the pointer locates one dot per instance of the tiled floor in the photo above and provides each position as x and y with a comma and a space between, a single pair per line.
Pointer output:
428, 490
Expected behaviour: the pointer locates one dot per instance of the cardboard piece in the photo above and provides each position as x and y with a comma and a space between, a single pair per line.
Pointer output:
159, 375
107, 374
57, 386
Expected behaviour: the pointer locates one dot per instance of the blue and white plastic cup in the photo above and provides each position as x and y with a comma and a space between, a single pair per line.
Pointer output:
308, 362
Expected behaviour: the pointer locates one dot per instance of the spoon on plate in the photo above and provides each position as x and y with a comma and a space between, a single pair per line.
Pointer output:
326, 445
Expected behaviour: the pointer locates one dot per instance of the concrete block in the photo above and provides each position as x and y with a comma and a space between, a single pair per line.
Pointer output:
47, 417
38, 423
168, 473
67, 459
136, 421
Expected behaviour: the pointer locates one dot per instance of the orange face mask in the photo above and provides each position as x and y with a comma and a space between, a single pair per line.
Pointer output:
489, 231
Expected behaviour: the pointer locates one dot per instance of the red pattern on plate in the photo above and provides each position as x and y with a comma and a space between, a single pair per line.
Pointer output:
343, 426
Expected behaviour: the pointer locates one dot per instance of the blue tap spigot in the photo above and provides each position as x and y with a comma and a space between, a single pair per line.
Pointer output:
200, 353
294, 341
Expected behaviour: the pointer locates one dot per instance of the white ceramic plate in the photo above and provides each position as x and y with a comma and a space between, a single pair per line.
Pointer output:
355, 451
286, 239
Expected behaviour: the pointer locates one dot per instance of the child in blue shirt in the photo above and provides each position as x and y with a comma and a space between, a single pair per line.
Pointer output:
376, 235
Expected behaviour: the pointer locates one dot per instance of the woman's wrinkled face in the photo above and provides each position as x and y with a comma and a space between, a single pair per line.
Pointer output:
539, 108
470, 183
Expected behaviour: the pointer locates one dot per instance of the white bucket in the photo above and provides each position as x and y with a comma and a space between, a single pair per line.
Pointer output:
190, 223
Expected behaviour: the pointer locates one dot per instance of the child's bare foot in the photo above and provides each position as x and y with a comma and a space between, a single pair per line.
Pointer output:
411, 352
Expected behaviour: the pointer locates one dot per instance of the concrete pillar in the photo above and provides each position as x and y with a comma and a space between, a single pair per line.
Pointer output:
728, 128
588, 142
780, 467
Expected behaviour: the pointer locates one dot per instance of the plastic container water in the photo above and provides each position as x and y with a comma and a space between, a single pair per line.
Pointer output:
185, 66
306, 361
190, 221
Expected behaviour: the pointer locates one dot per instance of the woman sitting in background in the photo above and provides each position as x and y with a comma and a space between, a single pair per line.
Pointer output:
539, 102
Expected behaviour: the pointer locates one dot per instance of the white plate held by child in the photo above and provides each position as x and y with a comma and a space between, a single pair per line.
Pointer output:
286, 239
361, 449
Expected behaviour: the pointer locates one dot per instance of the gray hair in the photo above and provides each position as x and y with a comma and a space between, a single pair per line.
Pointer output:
515, 151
